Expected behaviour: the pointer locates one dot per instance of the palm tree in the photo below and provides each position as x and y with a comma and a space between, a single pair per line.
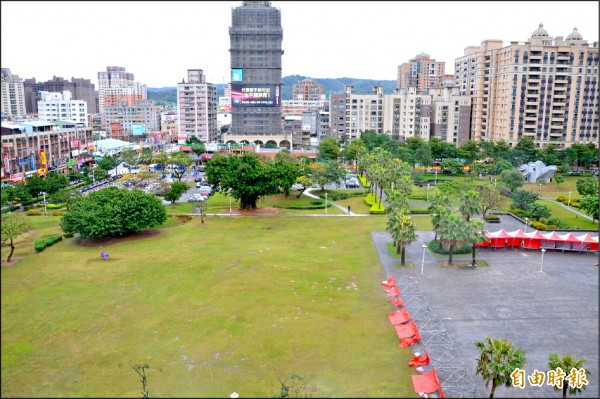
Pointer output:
402, 228
452, 231
474, 234
438, 205
567, 363
470, 204
497, 360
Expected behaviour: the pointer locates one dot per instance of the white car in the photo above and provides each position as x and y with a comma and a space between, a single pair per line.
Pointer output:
297, 187
205, 189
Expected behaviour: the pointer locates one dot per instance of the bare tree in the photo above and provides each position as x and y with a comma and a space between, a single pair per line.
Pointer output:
140, 369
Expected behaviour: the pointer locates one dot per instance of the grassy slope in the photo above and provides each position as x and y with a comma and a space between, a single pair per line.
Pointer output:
212, 308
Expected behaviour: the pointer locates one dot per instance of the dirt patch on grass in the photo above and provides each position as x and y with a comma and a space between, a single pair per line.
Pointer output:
94, 242
259, 211
12, 262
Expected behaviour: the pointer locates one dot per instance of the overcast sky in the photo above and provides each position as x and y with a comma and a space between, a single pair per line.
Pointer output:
159, 40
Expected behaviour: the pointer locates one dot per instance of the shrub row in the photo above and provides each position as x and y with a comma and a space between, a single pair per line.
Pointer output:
42, 243
11, 208
376, 210
419, 211
492, 218
364, 181
33, 212
52, 206
436, 246
574, 202
418, 197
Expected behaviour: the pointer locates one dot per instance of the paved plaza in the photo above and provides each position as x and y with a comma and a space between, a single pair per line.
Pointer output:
555, 310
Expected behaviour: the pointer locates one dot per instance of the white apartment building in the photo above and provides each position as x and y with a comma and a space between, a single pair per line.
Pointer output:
362, 112
407, 114
13, 95
197, 107
55, 106
296, 107
545, 88
115, 84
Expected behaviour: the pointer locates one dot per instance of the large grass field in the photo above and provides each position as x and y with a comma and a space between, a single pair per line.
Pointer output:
213, 308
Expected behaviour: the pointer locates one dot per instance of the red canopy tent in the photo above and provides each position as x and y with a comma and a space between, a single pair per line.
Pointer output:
550, 240
534, 240
408, 333
587, 241
389, 283
397, 302
569, 241
419, 360
399, 316
516, 239
594, 245
485, 243
498, 239
427, 383
394, 291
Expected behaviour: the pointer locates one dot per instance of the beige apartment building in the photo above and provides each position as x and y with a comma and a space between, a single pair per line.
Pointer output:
308, 90
115, 84
407, 114
545, 88
421, 72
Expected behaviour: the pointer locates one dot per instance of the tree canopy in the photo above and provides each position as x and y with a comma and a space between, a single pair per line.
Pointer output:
113, 212
248, 177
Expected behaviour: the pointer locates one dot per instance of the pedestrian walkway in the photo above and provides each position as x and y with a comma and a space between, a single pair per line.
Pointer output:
583, 215
308, 193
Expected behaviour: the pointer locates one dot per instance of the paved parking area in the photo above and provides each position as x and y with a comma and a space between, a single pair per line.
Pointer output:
541, 312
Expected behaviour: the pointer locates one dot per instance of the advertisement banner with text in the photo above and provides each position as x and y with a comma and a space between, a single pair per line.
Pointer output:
246, 95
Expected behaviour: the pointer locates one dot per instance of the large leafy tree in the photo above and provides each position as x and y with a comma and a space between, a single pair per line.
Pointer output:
329, 148
326, 172
67, 197
423, 155
566, 364
13, 226
130, 157
589, 204
180, 160
351, 151
523, 199
587, 186
469, 151
113, 212
401, 226
175, 191
248, 176
498, 358
439, 205
453, 165
108, 163
512, 179
490, 199
524, 151
55, 182
500, 166
36, 185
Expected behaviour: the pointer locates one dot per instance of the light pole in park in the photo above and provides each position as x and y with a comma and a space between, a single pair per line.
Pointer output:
569, 202
526, 223
495, 181
540, 190
427, 192
325, 202
423, 260
44, 193
542, 265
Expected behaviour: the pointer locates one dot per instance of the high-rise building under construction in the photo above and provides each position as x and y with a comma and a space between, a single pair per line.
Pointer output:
255, 46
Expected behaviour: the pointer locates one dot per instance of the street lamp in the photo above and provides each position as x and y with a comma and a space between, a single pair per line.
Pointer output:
392, 187
569, 203
44, 193
230, 203
427, 192
325, 202
540, 190
435, 178
495, 181
423, 260
542, 265
526, 222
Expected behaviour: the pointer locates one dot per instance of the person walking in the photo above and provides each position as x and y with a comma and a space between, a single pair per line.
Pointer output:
348, 209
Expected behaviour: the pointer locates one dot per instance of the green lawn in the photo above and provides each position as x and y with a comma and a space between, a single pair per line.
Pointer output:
569, 217
213, 308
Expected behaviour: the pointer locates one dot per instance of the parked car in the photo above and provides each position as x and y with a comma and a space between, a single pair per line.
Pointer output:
205, 189
297, 187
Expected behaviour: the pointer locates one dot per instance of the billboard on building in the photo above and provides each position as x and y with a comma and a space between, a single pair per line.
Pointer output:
138, 130
43, 158
246, 95
237, 75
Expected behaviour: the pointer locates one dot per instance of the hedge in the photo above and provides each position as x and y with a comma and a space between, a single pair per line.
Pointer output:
436, 246
42, 243
364, 181
11, 208
376, 210
370, 199
539, 226
420, 211
417, 197
52, 206
33, 212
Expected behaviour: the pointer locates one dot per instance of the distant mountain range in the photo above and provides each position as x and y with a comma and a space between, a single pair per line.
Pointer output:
168, 95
